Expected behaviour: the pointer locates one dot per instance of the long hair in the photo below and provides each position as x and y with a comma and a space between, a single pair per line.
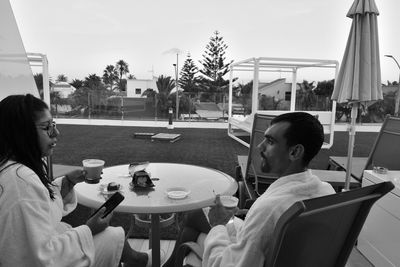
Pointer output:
19, 139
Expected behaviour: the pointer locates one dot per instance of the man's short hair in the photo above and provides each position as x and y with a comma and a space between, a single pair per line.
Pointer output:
304, 129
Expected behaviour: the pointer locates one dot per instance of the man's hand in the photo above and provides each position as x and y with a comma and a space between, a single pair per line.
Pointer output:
219, 215
98, 224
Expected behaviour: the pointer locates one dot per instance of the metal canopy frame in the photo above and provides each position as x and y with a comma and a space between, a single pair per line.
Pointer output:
40, 60
273, 64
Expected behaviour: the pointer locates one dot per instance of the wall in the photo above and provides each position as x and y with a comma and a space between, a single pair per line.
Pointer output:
142, 84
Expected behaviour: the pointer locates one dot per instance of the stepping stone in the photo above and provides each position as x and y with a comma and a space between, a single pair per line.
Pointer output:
166, 137
143, 135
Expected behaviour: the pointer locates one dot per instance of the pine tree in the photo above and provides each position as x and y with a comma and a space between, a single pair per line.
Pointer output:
214, 66
188, 80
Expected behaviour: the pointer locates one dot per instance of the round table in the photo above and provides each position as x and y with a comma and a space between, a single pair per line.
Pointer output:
203, 183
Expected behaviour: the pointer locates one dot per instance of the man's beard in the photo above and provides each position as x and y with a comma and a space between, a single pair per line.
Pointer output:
265, 167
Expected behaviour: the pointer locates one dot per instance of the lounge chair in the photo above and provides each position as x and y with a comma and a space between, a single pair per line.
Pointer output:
384, 152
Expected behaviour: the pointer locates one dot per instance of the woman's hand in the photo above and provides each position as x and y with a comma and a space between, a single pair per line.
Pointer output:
76, 176
98, 224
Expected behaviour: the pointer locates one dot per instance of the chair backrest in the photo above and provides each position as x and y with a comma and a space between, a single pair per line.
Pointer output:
385, 151
322, 231
253, 168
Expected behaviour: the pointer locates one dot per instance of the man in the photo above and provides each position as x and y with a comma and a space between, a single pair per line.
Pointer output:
291, 142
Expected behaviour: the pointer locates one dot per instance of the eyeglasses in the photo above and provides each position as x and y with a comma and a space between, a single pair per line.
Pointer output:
50, 129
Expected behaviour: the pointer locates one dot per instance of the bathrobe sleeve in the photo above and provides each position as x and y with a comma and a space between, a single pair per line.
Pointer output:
36, 231
253, 238
69, 202
221, 251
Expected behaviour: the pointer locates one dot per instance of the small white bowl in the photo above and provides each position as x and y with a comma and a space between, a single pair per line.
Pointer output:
229, 201
177, 192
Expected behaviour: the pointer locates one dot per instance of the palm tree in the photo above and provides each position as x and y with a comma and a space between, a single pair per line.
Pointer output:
110, 77
39, 83
245, 91
122, 68
76, 83
62, 78
96, 92
56, 99
92, 81
164, 86
307, 96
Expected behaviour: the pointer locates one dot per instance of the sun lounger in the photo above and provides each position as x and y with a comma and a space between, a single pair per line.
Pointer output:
384, 153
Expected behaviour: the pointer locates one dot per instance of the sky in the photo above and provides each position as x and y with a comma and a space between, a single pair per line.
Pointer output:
82, 37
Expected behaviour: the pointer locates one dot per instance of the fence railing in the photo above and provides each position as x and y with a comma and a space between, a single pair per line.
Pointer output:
201, 107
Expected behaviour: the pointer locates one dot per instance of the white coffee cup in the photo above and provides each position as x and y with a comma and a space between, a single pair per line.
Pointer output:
93, 168
229, 201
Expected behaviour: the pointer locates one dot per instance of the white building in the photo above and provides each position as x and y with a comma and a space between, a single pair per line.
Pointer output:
64, 89
279, 89
136, 87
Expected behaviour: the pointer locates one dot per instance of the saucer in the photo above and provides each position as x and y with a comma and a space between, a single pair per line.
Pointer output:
93, 181
177, 192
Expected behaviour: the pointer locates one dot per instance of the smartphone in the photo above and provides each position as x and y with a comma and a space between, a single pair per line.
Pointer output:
110, 204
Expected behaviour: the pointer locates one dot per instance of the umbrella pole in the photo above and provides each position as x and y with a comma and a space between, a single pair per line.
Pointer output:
352, 132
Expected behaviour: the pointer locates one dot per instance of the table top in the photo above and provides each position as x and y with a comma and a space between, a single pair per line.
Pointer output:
203, 183
393, 176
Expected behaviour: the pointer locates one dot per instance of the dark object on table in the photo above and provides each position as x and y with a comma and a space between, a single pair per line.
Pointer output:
113, 186
137, 166
141, 180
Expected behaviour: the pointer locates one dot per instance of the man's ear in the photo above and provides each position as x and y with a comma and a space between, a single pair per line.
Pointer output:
296, 152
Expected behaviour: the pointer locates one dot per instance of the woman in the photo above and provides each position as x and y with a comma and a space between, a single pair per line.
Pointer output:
32, 206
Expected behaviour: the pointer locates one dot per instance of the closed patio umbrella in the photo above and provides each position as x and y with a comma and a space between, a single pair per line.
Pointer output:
359, 79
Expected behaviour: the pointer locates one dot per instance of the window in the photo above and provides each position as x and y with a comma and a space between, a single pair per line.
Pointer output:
138, 91
288, 95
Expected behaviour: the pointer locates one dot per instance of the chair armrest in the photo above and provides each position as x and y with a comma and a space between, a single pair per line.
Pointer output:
185, 248
241, 213
238, 173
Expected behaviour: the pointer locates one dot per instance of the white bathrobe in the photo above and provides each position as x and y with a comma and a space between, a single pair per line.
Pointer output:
31, 231
253, 236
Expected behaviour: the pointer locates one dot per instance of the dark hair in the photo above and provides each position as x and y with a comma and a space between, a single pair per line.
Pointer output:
19, 139
304, 129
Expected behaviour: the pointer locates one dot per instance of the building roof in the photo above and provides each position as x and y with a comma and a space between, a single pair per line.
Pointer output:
63, 85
